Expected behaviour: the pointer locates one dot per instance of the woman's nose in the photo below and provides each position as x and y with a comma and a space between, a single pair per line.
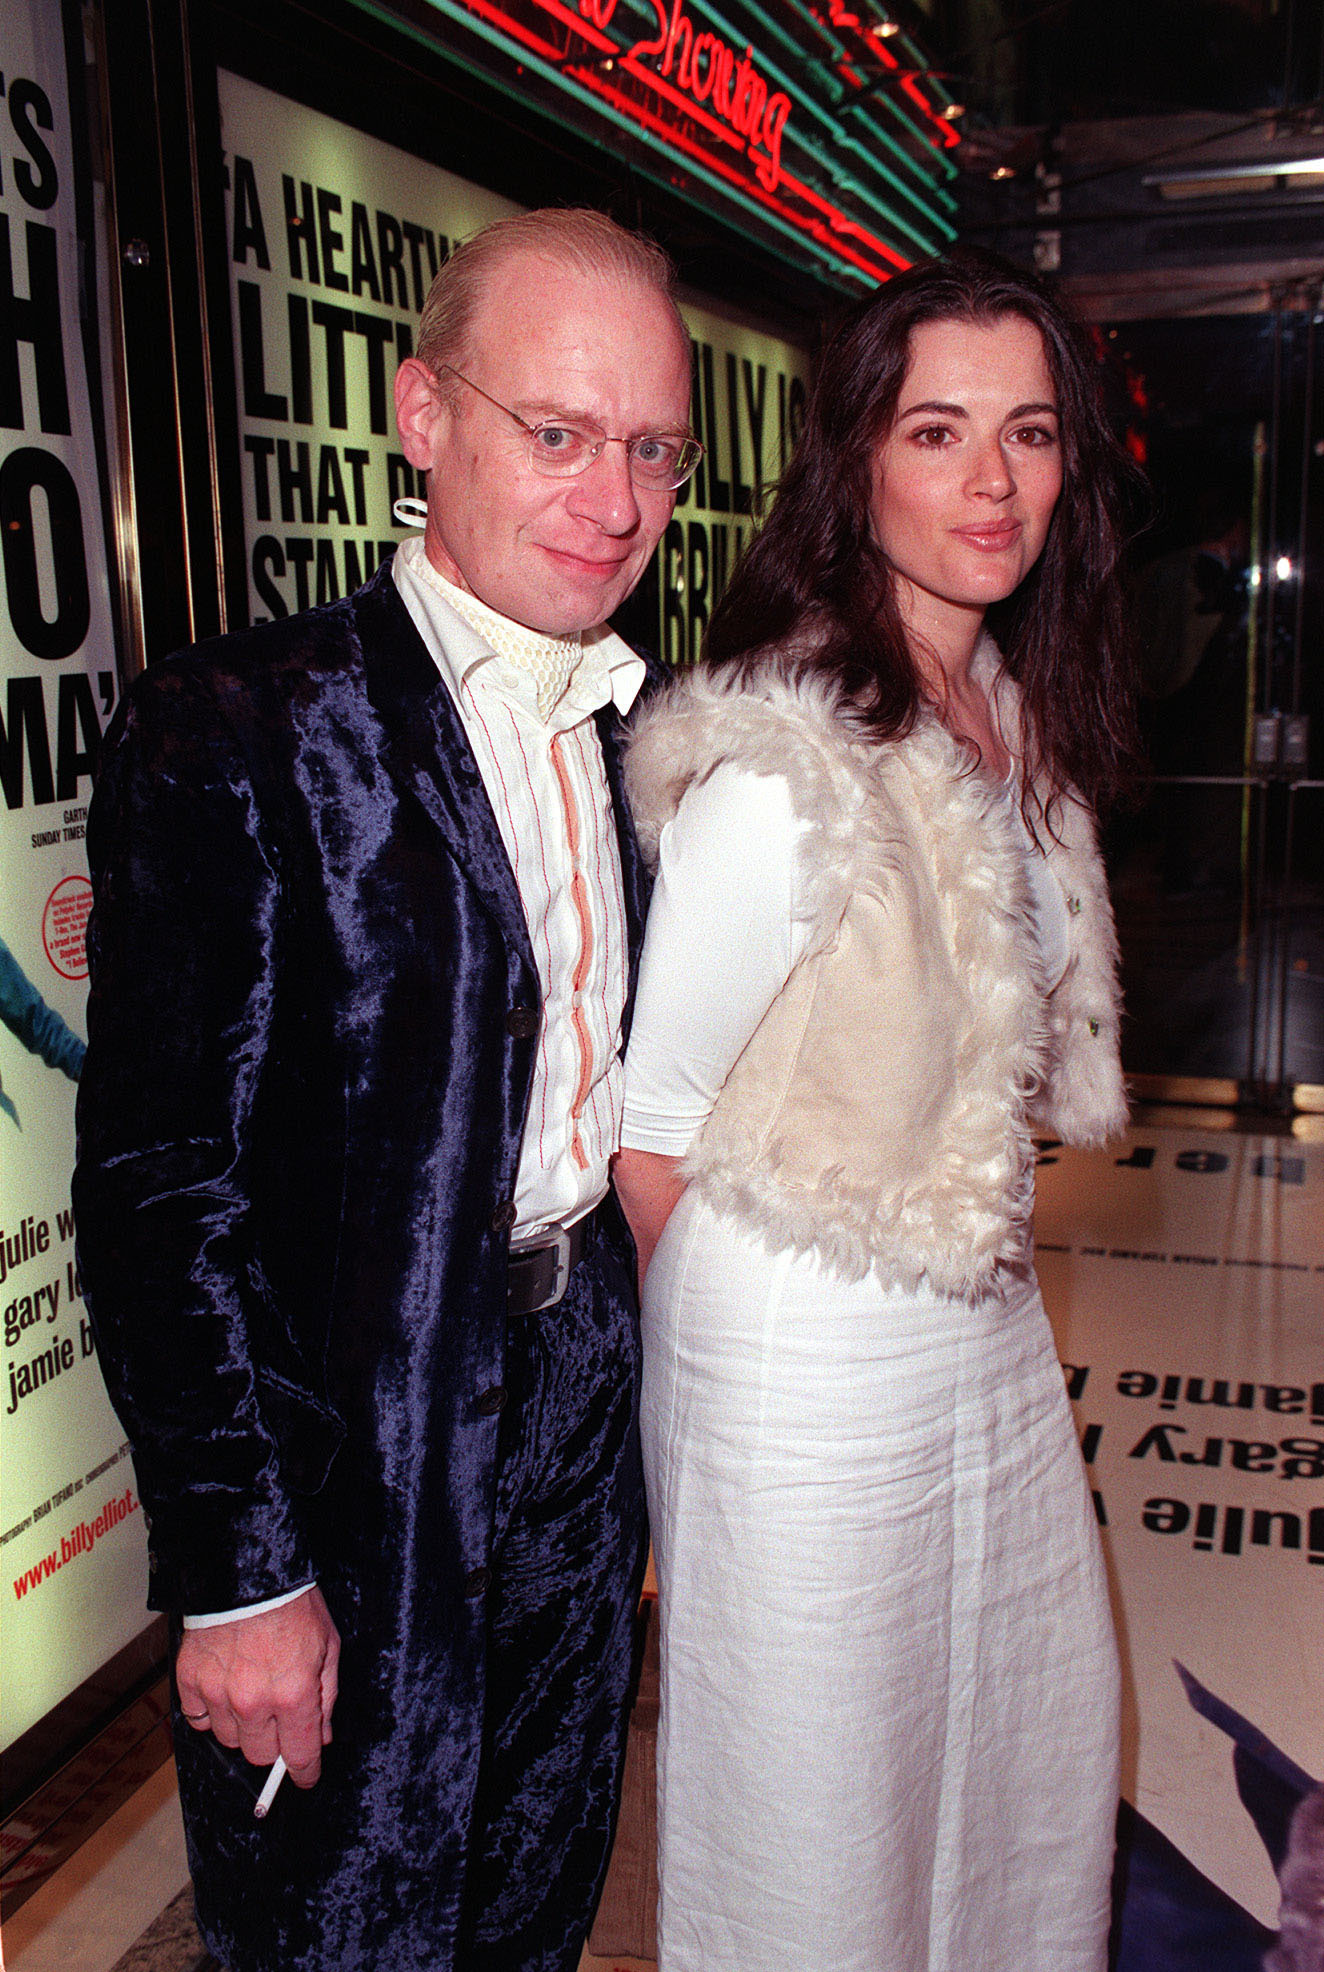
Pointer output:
991, 472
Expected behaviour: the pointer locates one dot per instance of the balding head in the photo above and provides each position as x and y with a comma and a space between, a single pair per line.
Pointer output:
577, 238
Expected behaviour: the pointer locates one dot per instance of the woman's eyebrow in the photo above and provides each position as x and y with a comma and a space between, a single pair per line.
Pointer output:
1035, 407
932, 404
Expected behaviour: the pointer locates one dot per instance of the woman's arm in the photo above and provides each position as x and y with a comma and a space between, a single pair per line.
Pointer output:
648, 1186
723, 935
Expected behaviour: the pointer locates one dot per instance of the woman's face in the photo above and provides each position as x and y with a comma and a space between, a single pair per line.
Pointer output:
966, 480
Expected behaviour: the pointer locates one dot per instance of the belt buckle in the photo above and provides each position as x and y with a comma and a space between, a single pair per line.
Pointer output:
557, 1243
560, 1245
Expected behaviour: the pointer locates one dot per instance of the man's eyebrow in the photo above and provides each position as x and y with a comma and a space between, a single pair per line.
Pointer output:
549, 407
540, 409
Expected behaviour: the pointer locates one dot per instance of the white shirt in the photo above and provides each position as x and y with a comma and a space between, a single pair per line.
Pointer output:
725, 931
1048, 904
548, 789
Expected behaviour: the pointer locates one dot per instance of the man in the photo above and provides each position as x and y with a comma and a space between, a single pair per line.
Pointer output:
368, 909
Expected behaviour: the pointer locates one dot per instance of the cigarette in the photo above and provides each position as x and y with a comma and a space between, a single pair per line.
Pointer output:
268, 1794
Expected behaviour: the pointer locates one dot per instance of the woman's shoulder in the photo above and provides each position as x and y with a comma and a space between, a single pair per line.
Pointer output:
770, 716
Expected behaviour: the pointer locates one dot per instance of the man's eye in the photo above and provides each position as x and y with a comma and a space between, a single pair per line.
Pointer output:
657, 451
559, 439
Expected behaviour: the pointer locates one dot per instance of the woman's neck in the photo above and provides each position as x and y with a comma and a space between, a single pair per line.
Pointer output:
961, 702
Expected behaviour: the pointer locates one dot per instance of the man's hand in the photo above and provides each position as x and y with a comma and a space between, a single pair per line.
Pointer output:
265, 1684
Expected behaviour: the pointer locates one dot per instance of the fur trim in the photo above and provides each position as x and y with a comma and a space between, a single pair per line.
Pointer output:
788, 724
1084, 1100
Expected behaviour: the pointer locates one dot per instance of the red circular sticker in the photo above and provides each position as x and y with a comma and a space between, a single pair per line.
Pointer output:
64, 923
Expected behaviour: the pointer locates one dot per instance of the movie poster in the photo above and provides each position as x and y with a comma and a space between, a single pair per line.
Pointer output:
72, 1549
748, 406
334, 239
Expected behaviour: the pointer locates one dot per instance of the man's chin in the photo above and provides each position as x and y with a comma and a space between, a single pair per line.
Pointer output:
577, 618
581, 595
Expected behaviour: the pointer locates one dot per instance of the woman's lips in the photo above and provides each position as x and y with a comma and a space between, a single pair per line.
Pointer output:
991, 538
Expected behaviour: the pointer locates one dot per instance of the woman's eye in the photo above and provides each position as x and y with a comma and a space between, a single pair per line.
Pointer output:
932, 434
1034, 435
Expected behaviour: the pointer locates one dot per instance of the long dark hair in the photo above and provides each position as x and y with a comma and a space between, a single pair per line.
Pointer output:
815, 566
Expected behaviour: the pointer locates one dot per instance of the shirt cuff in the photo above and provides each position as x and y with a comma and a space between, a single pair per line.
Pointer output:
667, 1136
211, 1622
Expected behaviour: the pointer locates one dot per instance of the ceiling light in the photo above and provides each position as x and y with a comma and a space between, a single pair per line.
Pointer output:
1227, 180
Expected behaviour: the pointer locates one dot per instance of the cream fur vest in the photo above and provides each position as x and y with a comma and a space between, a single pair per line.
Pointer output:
882, 1112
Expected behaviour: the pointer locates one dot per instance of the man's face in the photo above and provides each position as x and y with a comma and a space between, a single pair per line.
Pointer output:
557, 555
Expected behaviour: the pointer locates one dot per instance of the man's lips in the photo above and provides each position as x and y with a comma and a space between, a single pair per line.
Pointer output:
599, 565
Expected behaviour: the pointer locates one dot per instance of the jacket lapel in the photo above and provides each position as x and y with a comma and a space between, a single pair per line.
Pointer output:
612, 732
428, 754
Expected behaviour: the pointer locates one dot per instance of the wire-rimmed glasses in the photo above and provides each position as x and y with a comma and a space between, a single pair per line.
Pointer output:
563, 447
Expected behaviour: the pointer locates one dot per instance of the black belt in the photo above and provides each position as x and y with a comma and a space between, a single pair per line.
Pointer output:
538, 1274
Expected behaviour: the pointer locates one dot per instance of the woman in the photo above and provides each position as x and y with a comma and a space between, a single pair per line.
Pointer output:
880, 954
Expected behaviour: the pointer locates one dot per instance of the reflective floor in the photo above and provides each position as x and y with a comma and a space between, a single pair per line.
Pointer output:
1184, 1274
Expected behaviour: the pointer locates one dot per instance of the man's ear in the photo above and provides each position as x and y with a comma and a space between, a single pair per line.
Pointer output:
418, 405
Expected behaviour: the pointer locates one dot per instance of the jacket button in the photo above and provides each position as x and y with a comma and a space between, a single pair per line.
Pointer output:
489, 1402
504, 1216
477, 1580
522, 1023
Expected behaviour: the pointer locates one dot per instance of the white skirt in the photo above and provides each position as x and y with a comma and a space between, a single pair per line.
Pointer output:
889, 1722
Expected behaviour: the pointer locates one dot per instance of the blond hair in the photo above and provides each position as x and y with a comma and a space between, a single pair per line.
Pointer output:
574, 236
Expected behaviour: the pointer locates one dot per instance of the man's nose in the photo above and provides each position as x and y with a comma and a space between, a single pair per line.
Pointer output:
605, 492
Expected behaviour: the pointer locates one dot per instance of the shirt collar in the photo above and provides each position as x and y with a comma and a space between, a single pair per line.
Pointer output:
608, 670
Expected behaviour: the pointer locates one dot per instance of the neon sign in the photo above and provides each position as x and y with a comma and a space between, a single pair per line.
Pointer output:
708, 68
754, 126
841, 16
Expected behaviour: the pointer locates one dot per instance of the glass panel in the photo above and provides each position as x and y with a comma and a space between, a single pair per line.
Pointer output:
1183, 872
1218, 874
1302, 942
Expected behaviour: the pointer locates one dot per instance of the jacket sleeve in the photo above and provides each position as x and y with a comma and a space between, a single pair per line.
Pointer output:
184, 954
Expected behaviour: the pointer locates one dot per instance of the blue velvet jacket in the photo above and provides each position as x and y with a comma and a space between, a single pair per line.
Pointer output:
300, 1119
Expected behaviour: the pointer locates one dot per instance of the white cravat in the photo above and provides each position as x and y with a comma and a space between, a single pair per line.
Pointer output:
549, 661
